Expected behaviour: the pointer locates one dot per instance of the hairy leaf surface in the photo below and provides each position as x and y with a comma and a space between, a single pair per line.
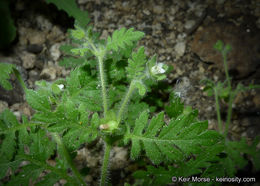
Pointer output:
5, 71
173, 142
123, 38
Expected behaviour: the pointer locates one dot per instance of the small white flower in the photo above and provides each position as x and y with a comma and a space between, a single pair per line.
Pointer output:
61, 86
158, 69
178, 94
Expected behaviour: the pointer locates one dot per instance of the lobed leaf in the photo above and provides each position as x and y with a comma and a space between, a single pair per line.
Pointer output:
136, 64
5, 71
173, 142
123, 38
37, 101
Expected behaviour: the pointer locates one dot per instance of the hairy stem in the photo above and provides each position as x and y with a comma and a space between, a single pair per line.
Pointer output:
68, 158
229, 114
218, 110
226, 69
125, 101
104, 170
230, 99
103, 84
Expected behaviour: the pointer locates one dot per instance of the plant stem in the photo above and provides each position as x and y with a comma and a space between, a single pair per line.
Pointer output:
218, 110
68, 158
125, 101
103, 84
226, 69
229, 114
230, 98
105, 164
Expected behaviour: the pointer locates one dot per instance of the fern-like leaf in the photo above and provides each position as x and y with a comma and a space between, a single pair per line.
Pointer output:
123, 38
5, 71
190, 167
177, 140
136, 64
37, 101
8, 143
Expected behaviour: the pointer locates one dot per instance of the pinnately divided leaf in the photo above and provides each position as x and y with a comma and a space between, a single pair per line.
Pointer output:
136, 64
190, 167
37, 101
5, 71
122, 38
177, 140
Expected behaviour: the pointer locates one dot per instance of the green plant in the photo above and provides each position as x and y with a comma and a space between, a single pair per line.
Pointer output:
224, 91
103, 98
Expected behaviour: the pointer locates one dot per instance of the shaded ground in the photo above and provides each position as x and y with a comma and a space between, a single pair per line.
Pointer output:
182, 33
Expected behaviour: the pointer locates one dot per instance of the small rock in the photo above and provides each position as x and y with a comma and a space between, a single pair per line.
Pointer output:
43, 23
146, 12
119, 160
189, 24
49, 73
56, 35
158, 9
55, 51
34, 75
28, 60
3, 106
180, 49
35, 37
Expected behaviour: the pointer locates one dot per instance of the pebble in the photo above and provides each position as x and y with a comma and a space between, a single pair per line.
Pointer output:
55, 51
119, 158
189, 24
48, 73
34, 75
180, 49
28, 60
35, 37
56, 35
43, 23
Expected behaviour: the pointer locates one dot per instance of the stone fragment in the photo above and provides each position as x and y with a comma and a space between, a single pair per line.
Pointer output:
28, 60
48, 73
55, 51
180, 49
35, 37
118, 158
189, 24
